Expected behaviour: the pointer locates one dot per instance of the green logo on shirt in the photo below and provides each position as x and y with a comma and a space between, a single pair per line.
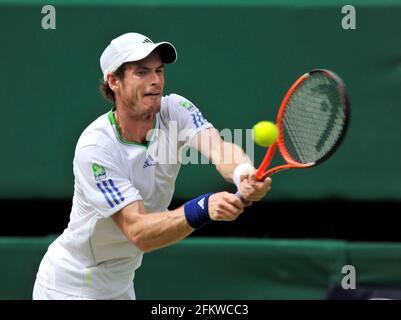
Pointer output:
99, 172
187, 105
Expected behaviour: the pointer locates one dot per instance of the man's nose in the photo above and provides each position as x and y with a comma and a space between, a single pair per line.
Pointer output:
156, 78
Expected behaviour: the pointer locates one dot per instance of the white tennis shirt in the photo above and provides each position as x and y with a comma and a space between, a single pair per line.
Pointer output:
93, 258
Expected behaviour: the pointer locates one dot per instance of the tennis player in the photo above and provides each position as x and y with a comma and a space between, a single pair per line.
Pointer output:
124, 185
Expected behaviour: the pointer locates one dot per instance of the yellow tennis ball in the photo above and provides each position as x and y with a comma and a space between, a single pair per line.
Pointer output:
265, 133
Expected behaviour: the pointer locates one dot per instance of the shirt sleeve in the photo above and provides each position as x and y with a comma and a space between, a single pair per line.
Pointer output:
190, 119
102, 183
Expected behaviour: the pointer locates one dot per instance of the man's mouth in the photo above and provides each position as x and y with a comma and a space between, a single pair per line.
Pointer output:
152, 94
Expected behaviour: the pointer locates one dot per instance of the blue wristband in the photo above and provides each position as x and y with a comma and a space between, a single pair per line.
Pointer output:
197, 211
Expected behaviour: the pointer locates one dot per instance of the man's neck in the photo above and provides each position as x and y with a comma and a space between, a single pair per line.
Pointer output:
134, 127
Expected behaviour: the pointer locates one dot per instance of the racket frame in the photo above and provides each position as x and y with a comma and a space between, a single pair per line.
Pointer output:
261, 172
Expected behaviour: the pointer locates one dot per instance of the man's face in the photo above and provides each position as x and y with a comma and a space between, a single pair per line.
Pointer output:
141, 88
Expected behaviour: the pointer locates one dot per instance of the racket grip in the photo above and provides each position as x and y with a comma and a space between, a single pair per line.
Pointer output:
239, 196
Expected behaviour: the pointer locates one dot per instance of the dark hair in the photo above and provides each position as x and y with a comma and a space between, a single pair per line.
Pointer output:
104, 87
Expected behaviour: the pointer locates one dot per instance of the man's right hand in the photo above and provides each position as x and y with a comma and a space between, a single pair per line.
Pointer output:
225, 206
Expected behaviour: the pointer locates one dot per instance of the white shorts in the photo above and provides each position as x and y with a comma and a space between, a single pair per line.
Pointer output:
43, 293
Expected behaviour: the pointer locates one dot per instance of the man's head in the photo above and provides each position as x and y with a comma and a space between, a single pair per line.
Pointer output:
132, 67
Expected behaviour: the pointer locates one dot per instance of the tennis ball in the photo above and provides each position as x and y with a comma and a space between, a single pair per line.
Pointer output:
265, 133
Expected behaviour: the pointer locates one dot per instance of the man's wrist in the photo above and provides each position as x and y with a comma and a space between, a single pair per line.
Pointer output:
241, 170
197, 211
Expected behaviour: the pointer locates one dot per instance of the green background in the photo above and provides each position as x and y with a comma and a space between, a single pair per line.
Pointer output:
227, 268
236, 59
235, 62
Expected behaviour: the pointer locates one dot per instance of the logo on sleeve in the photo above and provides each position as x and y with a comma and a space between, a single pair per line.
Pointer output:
99, 172
187, 105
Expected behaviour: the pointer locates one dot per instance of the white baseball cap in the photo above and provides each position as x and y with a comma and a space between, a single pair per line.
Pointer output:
133, 47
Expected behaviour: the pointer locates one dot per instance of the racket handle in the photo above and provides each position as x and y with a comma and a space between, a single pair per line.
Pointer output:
239, 196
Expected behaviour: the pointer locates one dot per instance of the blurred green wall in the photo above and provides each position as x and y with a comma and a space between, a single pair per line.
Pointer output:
227, 269
235, 62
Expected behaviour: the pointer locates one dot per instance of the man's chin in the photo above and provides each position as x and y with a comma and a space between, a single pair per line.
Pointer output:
150, 106
155, 108
152, 109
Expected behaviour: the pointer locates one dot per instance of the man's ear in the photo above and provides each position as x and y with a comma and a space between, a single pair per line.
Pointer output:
113, 81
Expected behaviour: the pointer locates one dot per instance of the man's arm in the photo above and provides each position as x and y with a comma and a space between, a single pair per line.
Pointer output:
227, 157
224, 155
156, 230
152, 231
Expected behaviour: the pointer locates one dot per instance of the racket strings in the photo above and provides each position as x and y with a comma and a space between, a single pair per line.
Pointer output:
314, 119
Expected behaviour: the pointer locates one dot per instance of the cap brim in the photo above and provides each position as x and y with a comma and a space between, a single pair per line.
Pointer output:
167, 52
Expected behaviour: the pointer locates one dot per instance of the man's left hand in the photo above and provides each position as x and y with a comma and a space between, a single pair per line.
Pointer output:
253, 190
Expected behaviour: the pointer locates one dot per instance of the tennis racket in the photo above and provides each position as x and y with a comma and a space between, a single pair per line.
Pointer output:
312, 121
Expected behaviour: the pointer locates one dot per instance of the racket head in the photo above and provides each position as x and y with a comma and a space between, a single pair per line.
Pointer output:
312, 121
